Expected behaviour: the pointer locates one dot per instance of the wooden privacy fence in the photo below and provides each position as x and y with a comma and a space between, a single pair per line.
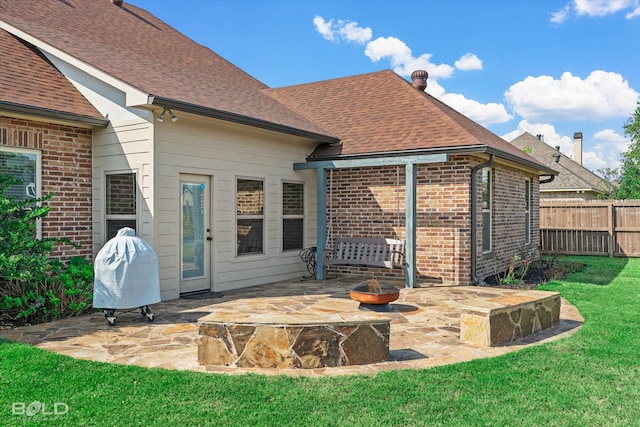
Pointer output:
598, 227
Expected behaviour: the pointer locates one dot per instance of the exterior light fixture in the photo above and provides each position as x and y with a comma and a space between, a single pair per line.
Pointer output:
173, 116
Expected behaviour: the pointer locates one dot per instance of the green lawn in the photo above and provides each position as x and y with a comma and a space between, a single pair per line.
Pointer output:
591, 378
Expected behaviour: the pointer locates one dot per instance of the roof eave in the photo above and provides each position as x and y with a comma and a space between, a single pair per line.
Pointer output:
240, 119
469, 149
53, 114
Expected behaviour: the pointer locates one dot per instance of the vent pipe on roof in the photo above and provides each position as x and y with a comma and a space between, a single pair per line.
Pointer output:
117, 2
540, 137
419, 78
556, 157
577, 147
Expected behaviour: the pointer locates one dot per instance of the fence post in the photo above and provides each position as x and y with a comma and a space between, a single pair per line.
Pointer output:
612, 228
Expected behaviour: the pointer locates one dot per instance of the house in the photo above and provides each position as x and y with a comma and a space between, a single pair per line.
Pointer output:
45, 139
573, 181
228, 179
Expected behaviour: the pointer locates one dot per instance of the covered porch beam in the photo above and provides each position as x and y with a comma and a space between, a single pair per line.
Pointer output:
410, 163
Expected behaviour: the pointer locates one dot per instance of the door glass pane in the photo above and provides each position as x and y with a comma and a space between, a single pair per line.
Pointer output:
193, 232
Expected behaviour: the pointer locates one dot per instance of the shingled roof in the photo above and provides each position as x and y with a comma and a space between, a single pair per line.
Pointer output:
572, 176
140, 50
383, 113
29, 83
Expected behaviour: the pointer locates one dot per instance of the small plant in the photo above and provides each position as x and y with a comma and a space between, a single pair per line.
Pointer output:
33, 286
518, 268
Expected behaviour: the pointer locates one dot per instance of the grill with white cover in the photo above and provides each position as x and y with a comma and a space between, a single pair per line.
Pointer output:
126, 276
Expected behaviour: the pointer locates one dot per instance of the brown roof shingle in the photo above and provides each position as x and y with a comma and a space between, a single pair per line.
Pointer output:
28, 79
382, 112
139, 49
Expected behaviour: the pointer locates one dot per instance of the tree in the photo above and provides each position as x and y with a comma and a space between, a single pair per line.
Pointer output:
608, 185
630, 173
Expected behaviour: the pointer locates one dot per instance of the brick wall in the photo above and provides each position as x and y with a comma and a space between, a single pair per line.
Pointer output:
508, 234
66, 171
370, 202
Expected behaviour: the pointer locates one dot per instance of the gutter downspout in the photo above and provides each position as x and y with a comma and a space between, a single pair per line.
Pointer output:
474, 209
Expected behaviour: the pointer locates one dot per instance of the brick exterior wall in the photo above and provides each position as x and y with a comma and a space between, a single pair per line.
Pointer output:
66, 171
370, 202
508, 235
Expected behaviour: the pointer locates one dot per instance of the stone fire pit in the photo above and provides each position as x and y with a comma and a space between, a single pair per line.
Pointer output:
293, 341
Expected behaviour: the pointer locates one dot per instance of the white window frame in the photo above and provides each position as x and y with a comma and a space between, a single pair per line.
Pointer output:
38, 177
251, 217
527, 210
121, 217
487, 226
294, 216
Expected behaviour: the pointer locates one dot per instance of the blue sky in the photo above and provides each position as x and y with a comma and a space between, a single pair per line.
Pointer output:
550, 67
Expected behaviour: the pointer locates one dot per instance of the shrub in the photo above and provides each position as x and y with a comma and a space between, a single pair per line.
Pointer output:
33, 286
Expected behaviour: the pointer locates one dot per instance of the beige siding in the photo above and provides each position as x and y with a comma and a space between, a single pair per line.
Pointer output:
225, 152
123, 147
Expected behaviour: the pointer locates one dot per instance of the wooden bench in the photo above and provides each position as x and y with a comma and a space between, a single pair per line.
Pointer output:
366, 252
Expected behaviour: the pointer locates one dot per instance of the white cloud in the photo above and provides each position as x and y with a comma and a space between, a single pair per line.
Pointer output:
403, 62
346, 30
485, 114
351, 32
601, 96
606, 151
596, 8
324, 27
601, 7
548, 131
402, 59
560, 16
633, 14
469, 61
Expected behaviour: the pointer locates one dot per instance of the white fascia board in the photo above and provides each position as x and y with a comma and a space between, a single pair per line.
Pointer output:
134, 96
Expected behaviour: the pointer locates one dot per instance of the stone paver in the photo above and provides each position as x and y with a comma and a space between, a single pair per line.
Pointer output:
425, 327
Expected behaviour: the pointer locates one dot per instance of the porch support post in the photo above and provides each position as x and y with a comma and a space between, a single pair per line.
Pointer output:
321, 221
411, 209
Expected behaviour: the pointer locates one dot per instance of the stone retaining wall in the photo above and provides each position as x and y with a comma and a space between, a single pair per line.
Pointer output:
292, 345
496, 321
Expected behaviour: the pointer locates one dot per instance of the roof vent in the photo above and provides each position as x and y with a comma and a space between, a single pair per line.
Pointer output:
117, 2
419, 78
556, 157
540, 137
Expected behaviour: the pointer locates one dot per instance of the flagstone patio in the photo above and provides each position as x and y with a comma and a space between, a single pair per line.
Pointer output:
425, 327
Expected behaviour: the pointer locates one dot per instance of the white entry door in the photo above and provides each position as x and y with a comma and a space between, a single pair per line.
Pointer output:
195, 233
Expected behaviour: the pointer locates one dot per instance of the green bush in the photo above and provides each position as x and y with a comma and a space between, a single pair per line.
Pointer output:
34, 287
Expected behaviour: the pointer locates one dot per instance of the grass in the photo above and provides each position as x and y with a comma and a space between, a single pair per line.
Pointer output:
590, 379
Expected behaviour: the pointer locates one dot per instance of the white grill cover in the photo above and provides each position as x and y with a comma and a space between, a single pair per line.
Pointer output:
126, 273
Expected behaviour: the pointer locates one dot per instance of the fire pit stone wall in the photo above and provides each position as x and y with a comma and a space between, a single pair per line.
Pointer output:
292, 343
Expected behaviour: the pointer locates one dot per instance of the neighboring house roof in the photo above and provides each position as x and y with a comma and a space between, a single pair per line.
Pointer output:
383, 113
31, 84
572, 176
137, 48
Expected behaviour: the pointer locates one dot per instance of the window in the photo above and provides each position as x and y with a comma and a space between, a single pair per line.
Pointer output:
23, 165
120, 202
250, 216
292, 216
487, 202
527, 211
